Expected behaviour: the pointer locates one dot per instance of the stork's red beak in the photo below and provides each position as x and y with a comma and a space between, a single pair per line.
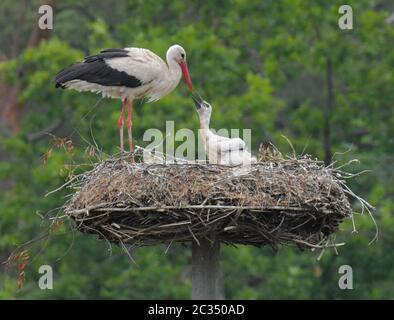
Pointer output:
186, 74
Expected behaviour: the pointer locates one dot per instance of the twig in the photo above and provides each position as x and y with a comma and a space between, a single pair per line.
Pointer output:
257, 209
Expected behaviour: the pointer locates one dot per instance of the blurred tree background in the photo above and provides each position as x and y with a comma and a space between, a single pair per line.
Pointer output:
277, 67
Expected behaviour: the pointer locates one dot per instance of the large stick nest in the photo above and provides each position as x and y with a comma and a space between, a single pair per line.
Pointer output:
290, 201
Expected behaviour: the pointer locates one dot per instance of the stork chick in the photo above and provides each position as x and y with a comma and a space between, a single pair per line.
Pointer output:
219, 149
268, 152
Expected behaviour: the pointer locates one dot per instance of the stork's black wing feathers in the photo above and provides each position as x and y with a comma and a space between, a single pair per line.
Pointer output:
95, 70
114, 50
107, 54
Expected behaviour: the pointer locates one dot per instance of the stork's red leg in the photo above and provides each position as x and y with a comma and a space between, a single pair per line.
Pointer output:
121, 123
130, 128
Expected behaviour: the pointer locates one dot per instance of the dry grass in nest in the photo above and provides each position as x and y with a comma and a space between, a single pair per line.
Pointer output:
294, 201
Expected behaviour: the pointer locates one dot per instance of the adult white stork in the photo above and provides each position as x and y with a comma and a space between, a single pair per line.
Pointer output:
219, 149
127, 74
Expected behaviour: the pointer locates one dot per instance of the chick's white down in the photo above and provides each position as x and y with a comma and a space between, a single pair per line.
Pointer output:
219, 149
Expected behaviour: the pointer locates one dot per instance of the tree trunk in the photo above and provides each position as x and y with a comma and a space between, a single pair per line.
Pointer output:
206, 275
328, 112
38, 34
12, 110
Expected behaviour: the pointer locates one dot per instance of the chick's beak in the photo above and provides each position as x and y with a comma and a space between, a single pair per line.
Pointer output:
186, 74
198, 101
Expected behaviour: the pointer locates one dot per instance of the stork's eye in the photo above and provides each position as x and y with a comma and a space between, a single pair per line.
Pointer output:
182, 55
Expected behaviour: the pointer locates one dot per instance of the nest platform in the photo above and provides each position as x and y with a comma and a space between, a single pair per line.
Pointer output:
289, 202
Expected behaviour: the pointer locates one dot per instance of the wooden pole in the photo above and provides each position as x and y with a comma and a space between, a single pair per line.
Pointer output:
206, 275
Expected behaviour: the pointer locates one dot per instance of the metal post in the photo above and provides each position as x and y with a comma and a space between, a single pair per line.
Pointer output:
206, 276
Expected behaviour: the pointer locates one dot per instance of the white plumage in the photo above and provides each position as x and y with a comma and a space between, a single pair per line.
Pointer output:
127, 74
219, 149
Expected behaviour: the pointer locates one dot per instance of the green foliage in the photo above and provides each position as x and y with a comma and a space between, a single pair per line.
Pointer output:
262, 65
